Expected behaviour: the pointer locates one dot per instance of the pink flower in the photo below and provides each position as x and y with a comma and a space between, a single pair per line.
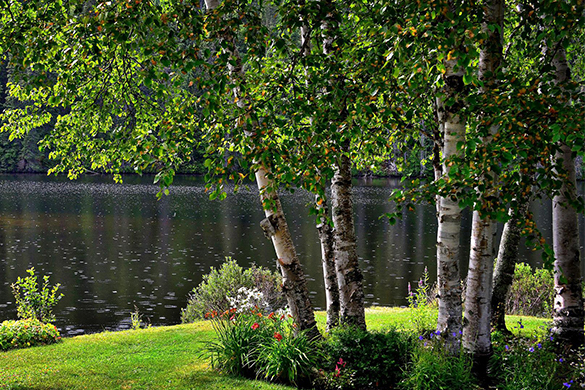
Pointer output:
255, 326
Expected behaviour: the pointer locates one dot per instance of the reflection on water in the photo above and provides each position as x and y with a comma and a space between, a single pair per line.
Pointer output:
113, 247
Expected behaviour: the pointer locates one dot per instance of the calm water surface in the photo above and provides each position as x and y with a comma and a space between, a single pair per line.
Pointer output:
114, 247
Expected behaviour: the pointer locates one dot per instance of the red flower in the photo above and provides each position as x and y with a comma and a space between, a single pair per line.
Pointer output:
255, 326
277, 336
271, 315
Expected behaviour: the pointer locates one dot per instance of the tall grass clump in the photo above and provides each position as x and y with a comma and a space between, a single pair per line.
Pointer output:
251, 344
522, 363
423, 306
432, 368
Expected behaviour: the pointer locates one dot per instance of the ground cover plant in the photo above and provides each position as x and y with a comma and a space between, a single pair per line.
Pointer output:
34, 305
173, 357
27, 333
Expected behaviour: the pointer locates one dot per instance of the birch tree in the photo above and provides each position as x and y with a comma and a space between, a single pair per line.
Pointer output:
452, 125
505, 265
477, 331
349, 276
568, 311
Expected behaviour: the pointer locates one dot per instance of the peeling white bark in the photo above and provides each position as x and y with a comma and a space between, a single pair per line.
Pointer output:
568, 311
476, 331
449, 214
276, 227
349, 275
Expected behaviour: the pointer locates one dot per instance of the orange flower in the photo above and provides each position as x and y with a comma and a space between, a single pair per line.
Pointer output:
277, 336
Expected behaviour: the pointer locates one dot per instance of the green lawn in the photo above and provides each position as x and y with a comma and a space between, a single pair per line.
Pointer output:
166, 357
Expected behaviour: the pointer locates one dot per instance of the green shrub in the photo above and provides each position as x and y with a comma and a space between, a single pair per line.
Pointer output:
369, 359
532, 292
26, 333
423, 306
431, 368
217, 287
32, 303
527, 363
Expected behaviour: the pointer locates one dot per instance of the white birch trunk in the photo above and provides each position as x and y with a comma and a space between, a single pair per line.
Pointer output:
449, 217
276, 227
568, 312
328, 263
324, 229
476, 332
349, 275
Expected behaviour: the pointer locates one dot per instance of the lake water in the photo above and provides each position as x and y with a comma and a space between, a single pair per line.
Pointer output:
115, 246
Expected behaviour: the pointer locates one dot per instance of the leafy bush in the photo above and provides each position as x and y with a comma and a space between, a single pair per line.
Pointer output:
33, 303
26, 333
369, 359
252, 344
423, 306
432, 368
217, 287
341, 378
532, 292
524, 363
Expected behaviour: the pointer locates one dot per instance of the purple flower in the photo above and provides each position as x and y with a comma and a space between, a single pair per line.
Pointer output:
561, 360
520, 323
551, 338
507, 347
530, 349
454, 334
568, 384
539, 345
420, 338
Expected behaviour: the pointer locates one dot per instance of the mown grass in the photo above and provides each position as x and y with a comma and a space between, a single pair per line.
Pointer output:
169, 357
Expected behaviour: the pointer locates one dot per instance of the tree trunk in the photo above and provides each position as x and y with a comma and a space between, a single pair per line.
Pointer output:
568, 304
449, 215
328, 262
276, 228
476, 332
505, 265
294, 283
324, 228
349, 275
568, 312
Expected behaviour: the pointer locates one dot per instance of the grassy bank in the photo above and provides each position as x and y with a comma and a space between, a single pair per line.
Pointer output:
167, 357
